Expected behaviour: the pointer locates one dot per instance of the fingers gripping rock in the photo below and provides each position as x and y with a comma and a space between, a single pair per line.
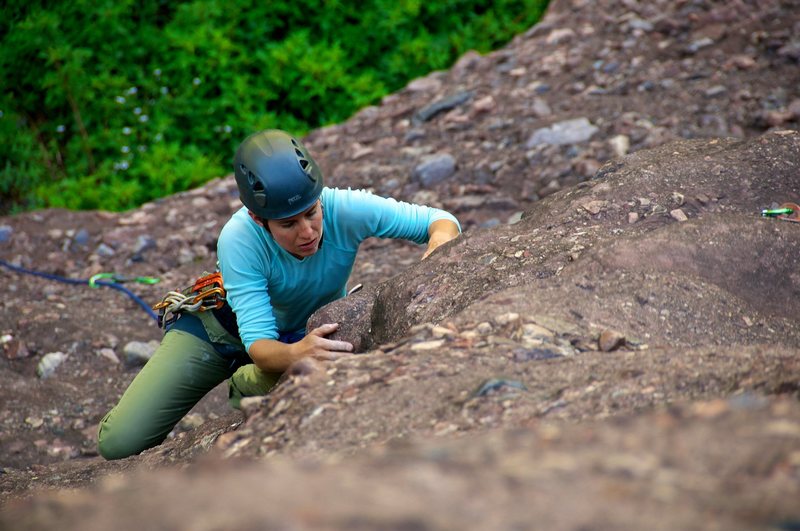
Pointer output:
354, 315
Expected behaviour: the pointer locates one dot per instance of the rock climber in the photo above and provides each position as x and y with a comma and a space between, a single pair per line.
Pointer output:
287, 252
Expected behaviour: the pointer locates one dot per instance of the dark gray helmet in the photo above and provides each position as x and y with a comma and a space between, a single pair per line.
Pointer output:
276, 176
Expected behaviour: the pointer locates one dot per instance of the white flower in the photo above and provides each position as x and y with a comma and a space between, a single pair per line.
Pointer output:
159, 137
60, 128
126, 130
119, 99
143, 118
157, 72
124, 165
227, 128
164, 90
125, 149
137, 110
133, 90
197, 81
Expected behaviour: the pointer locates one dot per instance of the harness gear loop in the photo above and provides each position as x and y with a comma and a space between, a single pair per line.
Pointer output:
207, 293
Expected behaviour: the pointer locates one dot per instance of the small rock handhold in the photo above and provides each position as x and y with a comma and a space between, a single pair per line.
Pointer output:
484, 328
451, 102
252, 404
563, 133
137, 353
428, 345
104, 251
144, 243
710, 409
109, 354
191, 421
534, 332
610, 340
484, 104
49, 363
443, 331
560, 35
5, 233
34, 422
620, 145
699, 44
716, 90
494, 384
14, 349
540, 107
434, 169
354, 315
82, 238
679, 215
535, 354
594, 207
506, 318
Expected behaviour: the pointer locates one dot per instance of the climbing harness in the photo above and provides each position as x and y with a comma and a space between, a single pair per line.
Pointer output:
207, 293
785, 212
109, 280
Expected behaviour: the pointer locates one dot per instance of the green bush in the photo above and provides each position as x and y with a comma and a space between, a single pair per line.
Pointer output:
111, 103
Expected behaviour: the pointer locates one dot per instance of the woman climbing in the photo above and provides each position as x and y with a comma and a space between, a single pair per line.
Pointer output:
286, 253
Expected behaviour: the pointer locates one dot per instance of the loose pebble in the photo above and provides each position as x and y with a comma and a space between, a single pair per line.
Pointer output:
49, 363
610, 340
138, 353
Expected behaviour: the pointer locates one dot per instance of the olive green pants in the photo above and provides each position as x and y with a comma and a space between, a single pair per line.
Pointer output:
182, 371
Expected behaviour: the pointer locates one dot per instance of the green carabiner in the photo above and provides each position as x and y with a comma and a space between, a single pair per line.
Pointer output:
772, 212
117, 279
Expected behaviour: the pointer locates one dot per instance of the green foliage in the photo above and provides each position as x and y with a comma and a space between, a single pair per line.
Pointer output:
112, 103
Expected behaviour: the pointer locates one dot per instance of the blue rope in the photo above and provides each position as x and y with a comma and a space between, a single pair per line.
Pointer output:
114, 285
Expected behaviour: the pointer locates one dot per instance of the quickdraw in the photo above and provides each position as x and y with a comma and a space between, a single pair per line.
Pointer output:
785, 212
207, 293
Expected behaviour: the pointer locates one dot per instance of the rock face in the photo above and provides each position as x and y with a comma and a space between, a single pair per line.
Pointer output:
612, 342
568, 260
572, 314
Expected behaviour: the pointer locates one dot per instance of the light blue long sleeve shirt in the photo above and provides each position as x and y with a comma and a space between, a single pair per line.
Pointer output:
271, 291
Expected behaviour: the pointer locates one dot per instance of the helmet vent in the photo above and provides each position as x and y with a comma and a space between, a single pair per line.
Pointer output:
294, 142
304, 163
259, 193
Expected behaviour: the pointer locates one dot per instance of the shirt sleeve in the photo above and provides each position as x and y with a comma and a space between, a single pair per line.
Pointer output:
367, 215
245, 269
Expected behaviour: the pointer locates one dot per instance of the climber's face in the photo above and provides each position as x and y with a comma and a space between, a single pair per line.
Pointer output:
299, 235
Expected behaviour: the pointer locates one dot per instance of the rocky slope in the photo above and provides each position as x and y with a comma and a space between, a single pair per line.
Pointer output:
615, 330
